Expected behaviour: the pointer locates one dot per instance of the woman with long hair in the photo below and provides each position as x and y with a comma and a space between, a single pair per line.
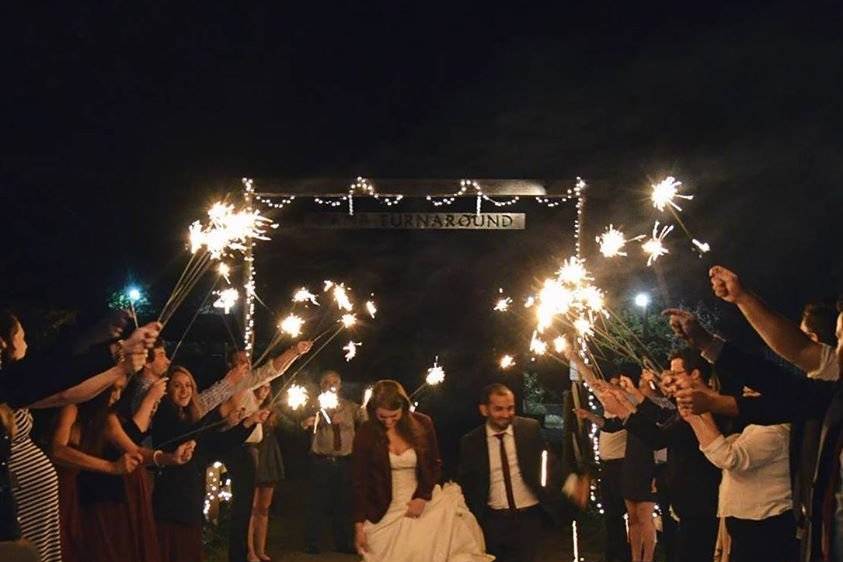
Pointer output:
401, 514
179, 492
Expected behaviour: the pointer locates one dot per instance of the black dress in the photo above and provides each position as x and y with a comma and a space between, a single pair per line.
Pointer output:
639, 469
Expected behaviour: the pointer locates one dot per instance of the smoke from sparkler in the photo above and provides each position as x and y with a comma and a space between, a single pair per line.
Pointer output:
297, 396
665, 192
654, 247
303, 295
291, 325
226, 300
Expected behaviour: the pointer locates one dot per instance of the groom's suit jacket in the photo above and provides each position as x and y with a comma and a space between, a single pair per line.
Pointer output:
473, 473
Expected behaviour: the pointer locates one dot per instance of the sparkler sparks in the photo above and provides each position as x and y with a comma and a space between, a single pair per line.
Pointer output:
328, 400
537, 346
703, 247
351, 350
224, 270
530, 301
348, 320
226, 299
573, 271
291, 325
341, 298
367, 395
612, 242
506, 361
665, 192
371, 308
297, 396
229, 229
583, 327
560, 344
654, 246
303, 295
435, 374
503, 304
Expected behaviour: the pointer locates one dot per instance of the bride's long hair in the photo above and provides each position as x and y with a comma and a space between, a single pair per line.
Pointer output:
390, 395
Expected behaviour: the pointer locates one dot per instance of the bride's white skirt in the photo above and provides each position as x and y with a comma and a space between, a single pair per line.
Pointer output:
446, 532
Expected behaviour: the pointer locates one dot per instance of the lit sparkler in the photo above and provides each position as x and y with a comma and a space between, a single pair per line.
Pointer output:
503, 304
560, 344
348, 320
297, 396
537, 346
328, 400
226, 299
583, 327
350, 350
303, 295
612, 242
703, 247
654, 246
529, 301
435, 374
573, 271
341, 298
506, 361
371, 308
224, 270
665, 192
291, 325
367, 395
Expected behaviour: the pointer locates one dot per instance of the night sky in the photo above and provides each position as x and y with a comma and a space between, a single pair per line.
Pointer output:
120, 118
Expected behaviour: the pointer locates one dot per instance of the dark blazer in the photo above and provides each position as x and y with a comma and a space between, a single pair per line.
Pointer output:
692, 481
788, 397
473, 472
372, 473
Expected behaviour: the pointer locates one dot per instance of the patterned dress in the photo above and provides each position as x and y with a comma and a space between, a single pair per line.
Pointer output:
36, 491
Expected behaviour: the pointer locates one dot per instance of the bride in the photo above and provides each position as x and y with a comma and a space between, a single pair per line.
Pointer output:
401, 514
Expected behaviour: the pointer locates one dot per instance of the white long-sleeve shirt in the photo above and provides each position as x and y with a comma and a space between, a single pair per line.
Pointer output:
756, 471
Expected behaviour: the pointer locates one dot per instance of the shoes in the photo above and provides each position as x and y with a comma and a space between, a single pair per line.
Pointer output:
311, 549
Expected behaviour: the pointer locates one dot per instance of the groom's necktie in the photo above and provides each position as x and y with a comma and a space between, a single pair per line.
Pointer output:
507, 476
337, 436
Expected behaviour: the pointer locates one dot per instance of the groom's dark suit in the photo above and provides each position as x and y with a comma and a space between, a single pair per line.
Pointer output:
511, 534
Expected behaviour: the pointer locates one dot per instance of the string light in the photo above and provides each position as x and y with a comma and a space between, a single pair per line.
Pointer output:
284, 202
363, 185
465, 187
249, 285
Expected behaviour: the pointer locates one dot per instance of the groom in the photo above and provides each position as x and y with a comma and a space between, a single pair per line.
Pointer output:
500, 472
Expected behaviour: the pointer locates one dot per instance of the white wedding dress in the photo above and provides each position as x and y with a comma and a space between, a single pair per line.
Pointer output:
446, 531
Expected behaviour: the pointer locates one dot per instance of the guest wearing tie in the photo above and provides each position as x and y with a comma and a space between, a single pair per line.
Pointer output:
500, 472
330, 474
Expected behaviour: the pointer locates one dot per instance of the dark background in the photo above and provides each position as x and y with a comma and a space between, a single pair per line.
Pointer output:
120, 117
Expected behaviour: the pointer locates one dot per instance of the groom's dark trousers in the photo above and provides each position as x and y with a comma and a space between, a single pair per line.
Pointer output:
513, 536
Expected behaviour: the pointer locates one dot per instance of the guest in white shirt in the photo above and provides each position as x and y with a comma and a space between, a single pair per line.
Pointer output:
755, 495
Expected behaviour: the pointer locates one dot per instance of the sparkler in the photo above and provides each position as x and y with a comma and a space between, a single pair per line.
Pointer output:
573, 271
544, 468
506, 361
292, 325
328, 400
224, 270
529, 301
654, 246
297, 396
303, 295
367, 395
435, 374
341, 298
351, 350
560, 344
226, 299
503, 304
371, 308
665, 192
348, 320
703, 247
537, 346
612, 242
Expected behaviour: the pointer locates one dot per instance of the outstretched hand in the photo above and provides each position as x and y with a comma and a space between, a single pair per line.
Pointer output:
726, 284
685, 325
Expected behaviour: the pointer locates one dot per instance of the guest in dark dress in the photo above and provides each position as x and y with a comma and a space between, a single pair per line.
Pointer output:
70, 460
270, 471
180, 491
116, 511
